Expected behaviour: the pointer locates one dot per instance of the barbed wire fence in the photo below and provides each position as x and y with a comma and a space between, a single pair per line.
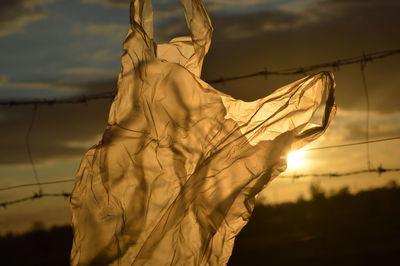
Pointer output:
35, 196
39, 195
335, 65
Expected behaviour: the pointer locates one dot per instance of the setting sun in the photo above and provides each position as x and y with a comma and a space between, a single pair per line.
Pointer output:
295, 160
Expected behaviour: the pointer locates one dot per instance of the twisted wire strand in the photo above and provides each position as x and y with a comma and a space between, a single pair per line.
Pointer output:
265, 72
380, 170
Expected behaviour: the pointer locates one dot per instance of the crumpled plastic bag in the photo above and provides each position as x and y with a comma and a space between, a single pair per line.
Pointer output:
174, 178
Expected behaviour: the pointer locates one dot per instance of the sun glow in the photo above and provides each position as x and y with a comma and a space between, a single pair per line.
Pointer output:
295, 160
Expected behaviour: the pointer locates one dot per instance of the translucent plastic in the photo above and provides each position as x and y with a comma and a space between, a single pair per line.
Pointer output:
174, 178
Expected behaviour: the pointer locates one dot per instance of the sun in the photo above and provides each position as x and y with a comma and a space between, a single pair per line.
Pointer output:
295, 160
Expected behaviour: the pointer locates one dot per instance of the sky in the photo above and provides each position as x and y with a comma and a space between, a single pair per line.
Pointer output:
63, 48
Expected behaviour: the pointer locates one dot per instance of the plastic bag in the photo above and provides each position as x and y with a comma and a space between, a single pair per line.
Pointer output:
174, 178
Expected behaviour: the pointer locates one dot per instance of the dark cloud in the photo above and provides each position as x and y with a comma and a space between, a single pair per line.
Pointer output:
59, 131
339, 29
125, 3
242, 44
110, 3
79, 85
16, 14
357, 131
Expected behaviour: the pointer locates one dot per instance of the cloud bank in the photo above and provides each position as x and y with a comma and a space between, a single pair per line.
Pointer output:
276, 38
16, 14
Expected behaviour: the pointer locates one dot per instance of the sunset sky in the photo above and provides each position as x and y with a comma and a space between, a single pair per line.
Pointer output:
64, 48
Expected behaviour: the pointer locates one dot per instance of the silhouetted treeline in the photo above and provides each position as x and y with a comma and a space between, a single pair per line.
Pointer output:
341, 229
344, 229
38, 247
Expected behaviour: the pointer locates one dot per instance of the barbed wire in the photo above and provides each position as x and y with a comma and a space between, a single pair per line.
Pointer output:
351, 144
35, 184
79, 99
285, 72
293, 71
302, 70
380, 170
35, 196
310, 149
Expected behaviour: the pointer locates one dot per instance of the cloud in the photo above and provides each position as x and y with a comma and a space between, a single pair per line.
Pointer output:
43, 85
260, 23
243, 6
76, 82
16, 14
3, 80
292, 15
90, 71
96, 57
53, 132
165, 10
107, 30
381, 126
110, 3
211, 4
59, 131
338, 29
288, 42
171, 30
63, 84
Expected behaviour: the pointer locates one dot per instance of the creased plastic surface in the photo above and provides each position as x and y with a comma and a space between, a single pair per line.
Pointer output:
174, 178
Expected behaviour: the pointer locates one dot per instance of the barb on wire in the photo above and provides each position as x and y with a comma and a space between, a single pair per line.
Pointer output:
35, 184
35, 196
81, 99
351, 144
310, 149
301, 70
380, 170
265, 72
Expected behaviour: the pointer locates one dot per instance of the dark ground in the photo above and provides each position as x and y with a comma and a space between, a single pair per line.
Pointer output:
344, 229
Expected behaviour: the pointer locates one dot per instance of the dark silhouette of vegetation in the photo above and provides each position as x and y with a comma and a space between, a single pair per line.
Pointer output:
335, 229
38, 247
342, 229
